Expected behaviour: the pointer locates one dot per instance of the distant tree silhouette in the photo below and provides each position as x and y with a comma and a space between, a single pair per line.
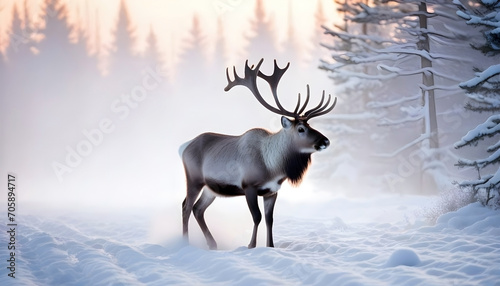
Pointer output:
193, 62
262, 40
124, 64
55, 45
47, 93
218, 60
87, 63
290, 51
18, 54
20, 38
52, 70
152, 55
152, 60
319, 37
67, 67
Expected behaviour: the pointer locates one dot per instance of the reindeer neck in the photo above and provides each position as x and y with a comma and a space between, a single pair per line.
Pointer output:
275, 148
281, 158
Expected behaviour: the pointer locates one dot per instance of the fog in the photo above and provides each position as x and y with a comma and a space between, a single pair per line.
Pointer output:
96, 121
76, 133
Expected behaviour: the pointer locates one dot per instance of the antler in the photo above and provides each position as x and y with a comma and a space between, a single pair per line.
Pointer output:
320, 109
250, 81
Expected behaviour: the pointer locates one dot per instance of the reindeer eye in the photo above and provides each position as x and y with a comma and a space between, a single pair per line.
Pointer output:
301, 130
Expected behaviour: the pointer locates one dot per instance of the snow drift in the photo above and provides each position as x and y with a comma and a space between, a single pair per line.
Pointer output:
463, 248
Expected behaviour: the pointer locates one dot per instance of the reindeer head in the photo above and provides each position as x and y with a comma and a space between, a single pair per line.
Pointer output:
305, 139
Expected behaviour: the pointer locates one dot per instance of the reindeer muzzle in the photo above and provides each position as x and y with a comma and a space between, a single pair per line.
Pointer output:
322, 144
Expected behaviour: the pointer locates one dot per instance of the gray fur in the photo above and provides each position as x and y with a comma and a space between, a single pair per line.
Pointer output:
183, 147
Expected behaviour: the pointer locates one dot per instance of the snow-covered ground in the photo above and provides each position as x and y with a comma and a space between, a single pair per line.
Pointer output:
376, 241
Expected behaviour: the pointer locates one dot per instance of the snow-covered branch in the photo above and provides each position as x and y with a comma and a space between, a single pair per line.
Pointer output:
481, 77
491, 182
389, 13
398, 101
407, 119
402, 49
402, 72
349, 58
350, 37
480, 98
492, 159
488, 20
489, 128
353, 116
438, 87
422, 31
474, 183
421, 138
360, 75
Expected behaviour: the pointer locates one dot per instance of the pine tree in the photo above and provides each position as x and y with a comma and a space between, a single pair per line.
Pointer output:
193, 59
55, 43
262, 42
152, 55
19, 52
59, 57
219, 57
319, 37
218, 60
124, 64
294, 49
483, 92
21, 42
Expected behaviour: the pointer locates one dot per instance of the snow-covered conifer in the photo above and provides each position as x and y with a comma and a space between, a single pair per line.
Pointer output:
483, 92
399, 57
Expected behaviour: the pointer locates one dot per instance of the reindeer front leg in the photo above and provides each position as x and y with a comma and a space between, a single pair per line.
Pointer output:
253, 205
268, 210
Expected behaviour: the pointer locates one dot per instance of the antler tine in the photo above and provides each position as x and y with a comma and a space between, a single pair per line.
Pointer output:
297, 107
315, 108
307, 101
231, 83
324, 106
321, 112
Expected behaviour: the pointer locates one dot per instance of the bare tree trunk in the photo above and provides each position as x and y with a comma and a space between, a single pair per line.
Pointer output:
428, 81
430, 123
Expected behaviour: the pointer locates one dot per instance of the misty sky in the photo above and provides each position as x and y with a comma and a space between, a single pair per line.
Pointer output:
88, 117
96, 21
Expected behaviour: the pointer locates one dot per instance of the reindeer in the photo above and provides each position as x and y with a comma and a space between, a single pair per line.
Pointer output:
255, 163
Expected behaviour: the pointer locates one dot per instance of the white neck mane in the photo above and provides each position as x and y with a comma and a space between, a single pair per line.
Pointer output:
274, 149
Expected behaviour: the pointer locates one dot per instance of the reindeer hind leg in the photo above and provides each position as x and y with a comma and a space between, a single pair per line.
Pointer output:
193, 190
269, 202
205, 200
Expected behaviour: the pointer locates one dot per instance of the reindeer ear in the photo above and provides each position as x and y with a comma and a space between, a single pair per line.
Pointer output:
285, 122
